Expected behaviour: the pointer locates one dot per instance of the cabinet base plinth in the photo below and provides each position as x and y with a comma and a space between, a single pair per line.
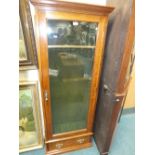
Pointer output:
62, 146
68, 149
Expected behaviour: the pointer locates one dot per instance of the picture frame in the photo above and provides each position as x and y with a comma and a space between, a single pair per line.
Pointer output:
30, 127
27, 45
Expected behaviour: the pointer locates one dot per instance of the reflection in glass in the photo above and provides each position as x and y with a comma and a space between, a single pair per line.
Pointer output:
22, 48
71, 33
71, 47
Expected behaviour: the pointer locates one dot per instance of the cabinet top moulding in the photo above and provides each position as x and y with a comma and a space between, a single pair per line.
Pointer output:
72, 7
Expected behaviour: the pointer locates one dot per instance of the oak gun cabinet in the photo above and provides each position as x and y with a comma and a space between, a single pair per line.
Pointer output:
118, 62
70, 41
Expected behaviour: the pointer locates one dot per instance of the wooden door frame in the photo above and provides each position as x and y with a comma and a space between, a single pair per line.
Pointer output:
41, 16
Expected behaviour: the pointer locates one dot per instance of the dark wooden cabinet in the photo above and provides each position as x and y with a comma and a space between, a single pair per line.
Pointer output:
115, 76
70, 41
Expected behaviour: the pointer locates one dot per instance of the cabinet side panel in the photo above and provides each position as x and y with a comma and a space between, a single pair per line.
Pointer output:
107, 109
115, 41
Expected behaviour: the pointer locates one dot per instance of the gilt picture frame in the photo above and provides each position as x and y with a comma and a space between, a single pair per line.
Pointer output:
27, 46
30, 128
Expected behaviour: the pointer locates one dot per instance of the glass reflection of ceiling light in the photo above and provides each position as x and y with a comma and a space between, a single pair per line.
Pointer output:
49, 30
43, 29
75, 23
55, 36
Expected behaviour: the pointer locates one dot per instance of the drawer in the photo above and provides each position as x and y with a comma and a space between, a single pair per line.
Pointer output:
68, 143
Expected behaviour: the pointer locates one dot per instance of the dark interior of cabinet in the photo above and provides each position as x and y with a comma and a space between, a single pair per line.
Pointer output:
71, 88
71, 47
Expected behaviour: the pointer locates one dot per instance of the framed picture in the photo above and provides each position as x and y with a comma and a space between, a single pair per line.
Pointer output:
30, 133
27, 47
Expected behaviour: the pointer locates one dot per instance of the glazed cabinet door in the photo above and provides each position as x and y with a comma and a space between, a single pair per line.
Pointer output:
70, 53
71, 46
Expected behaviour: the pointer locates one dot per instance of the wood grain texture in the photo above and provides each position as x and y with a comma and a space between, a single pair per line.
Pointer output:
68, 149
70, 133
72, 7
127, 53
69, 137
68, 11
44, 66
123, 83
115, 42
58, 145
98, 59
43, 57
117, 55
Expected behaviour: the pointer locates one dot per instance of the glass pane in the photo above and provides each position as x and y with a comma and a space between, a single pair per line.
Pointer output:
71, 33
22, 48
71, 47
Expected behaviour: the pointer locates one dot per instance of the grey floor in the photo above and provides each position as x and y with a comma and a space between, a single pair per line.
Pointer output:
123, 141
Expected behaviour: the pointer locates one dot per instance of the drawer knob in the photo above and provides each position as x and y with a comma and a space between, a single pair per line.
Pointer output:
59, 146
80, 141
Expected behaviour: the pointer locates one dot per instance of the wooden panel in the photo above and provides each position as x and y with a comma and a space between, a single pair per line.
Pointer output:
96, 67
46, 9
129, 44
67, 143
68, 149
121, 83
99, 51
115, 42
60, 146
117, 55
72, 7
105, 118
70, 135
73, 16
94, 2
43, 64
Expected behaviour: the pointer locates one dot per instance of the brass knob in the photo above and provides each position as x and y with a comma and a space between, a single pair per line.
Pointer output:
59, 146
80, 141
46, 95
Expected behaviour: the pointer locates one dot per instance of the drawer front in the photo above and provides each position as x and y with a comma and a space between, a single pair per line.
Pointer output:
67, 143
